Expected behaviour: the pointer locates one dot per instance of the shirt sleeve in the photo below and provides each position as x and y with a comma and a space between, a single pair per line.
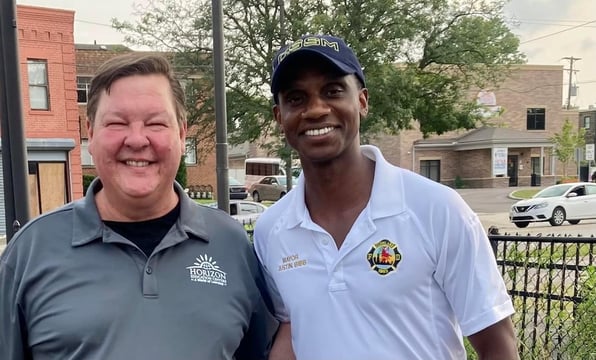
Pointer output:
468, 274
13, 337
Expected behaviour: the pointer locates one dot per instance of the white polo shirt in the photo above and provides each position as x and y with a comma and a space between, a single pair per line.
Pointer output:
415, 271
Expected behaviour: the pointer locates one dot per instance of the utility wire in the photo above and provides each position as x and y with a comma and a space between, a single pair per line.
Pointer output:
559, 32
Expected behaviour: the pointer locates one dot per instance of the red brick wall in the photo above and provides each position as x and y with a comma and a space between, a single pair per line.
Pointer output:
47, 34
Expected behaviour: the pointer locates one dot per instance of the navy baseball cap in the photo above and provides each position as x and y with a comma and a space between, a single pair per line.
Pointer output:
330, 48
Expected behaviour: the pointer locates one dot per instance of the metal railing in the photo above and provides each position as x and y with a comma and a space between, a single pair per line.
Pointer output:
552, 282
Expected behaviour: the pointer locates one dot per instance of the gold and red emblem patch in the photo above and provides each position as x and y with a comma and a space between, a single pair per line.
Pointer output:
383, 257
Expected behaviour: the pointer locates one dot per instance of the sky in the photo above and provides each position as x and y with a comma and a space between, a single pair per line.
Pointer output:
549, 31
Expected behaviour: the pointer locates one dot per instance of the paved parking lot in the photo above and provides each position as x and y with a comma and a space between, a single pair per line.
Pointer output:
492, 206
585, 228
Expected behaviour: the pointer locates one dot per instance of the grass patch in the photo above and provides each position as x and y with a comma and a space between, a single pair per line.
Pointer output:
205, 201
525, 193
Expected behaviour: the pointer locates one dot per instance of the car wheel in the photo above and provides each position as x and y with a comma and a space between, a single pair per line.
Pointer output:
558, 217
256, 197
522, 224
282, 194
573, 222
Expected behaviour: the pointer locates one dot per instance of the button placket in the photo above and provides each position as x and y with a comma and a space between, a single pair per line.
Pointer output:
150, 279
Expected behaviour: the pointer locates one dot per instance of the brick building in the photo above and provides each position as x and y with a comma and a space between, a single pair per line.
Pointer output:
48, 92
587, 120
200, 172
512, 149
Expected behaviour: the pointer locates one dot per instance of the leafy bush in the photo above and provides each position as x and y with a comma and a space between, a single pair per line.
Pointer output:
458, 182
583, 331
87, 179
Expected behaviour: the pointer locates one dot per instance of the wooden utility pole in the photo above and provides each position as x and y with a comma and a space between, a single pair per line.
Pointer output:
571, 71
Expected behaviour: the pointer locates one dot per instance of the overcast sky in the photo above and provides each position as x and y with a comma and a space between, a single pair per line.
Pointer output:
536, 22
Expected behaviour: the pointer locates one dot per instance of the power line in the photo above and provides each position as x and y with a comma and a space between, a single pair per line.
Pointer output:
93, 23
559, 32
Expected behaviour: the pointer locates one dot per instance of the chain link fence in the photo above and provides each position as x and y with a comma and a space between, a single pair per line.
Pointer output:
552, 282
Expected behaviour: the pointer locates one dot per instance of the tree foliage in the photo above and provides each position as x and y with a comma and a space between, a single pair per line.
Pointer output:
181, 172
566, 142
420, 57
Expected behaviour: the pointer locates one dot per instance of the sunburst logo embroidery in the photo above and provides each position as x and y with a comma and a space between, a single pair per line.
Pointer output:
205, 270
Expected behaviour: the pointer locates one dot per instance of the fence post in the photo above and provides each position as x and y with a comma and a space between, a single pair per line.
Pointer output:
493, 230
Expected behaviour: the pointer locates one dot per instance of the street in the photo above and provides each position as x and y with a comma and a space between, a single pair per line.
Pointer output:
492, 207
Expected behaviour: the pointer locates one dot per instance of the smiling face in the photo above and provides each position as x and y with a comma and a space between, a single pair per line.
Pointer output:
136, 141
319, 112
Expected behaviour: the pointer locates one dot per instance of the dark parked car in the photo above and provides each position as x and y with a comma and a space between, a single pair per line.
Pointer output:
237, 189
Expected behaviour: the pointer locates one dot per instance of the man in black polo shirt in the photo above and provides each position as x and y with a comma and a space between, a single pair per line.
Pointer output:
136, 269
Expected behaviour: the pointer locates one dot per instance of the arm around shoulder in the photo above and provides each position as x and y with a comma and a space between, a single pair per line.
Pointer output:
496, 342
282, 346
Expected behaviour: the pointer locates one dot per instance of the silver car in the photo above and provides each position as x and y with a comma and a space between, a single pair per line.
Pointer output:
271, 188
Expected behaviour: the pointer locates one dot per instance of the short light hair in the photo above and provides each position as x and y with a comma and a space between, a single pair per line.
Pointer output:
133, 64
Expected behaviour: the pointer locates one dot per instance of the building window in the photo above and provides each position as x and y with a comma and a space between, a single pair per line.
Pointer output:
587, 120
536, 118
39, 97
190, 157
431, 169
83, 84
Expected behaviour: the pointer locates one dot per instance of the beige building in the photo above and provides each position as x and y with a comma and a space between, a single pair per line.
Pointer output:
512, 148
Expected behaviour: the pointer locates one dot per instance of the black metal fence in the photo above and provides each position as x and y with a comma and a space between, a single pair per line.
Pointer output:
552, 282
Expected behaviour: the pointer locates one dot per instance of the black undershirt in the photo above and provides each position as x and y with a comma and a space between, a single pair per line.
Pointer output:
146, 234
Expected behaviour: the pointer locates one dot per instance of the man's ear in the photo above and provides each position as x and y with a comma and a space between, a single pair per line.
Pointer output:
363, 100
183, 132
277, 116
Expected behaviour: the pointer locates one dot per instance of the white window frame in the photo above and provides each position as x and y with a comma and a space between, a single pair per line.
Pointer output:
38, 101
190, 152
83, 84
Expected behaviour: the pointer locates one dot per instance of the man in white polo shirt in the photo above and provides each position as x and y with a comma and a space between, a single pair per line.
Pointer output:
365, 260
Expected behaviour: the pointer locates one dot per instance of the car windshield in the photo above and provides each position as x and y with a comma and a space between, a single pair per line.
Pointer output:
282, 180
552, 191
233, 181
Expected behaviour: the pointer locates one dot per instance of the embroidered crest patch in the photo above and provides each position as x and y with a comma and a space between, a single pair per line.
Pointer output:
383, 257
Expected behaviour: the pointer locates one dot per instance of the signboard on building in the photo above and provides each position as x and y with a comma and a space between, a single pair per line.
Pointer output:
499, 161
589, 151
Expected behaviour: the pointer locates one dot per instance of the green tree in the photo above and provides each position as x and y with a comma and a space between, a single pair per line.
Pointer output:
87, 179
181, 173
566, 142
420, 57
